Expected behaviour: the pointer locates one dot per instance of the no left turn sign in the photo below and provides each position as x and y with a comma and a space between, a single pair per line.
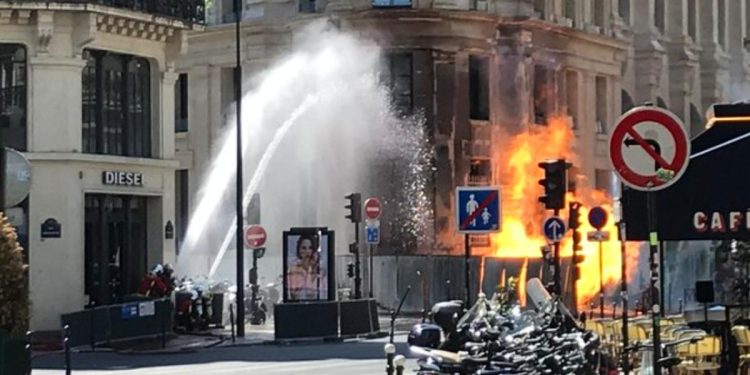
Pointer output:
649, 148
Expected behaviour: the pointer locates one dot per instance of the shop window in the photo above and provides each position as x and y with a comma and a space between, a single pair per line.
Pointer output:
116, 99
479, 90
398, 77
181, 104
13, 95
601, 105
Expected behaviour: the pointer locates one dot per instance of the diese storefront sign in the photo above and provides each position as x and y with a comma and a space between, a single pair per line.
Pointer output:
122, 178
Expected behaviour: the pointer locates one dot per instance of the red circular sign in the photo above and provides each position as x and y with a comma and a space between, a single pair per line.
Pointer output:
372, 208
255, 236
637, 133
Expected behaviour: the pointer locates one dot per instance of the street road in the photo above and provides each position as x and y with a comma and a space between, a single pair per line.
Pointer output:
357, 357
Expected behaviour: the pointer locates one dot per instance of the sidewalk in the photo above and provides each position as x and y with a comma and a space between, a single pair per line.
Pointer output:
220, 337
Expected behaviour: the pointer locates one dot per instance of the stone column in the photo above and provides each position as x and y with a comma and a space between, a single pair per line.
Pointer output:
736, 34
681, 59
167, 106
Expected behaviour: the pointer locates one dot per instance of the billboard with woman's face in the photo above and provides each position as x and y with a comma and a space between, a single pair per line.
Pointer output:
307, 261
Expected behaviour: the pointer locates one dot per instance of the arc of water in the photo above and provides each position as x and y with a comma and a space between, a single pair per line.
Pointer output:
259, 172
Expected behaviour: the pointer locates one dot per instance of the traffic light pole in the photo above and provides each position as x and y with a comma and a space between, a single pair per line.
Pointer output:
357, 269
467, 269
624, 296
556, 276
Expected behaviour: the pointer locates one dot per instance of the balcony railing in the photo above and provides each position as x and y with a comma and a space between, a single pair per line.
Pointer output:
191, 11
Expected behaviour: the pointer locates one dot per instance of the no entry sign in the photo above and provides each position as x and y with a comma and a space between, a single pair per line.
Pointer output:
372, 208
649, 148
255, 236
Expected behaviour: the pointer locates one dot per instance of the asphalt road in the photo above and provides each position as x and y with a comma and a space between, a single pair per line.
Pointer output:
352, 357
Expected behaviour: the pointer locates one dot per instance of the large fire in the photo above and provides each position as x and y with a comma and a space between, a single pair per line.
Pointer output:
521, 237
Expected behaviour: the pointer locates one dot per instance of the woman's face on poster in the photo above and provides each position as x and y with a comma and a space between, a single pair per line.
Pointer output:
306, 249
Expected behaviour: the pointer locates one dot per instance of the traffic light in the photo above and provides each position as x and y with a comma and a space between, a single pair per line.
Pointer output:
350, 270
574, 216
354, 207
555, 183
353, 247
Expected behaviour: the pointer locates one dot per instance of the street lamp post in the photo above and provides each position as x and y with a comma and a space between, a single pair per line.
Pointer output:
238, 203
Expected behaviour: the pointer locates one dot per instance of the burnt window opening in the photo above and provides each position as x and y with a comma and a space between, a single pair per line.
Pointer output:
479, 90
181, 104
480, 172
116, 101
571, 97
569, 9
601, 105
398, 77
541, 94
13, 95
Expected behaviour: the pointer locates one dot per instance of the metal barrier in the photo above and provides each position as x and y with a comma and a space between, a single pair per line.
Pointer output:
104, 324
15, 354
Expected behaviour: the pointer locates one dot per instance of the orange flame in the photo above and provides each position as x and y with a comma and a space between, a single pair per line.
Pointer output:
518, 173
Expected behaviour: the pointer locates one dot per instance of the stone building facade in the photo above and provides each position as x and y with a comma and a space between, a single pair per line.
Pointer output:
87, 95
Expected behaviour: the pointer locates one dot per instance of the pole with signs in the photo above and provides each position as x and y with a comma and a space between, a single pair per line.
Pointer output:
477, 212
649, 151
598, 219
373, 209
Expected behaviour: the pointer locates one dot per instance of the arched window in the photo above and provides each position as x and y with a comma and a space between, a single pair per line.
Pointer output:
13, 95
624, 10
116, 104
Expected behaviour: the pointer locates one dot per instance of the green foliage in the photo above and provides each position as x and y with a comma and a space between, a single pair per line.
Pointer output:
14, 295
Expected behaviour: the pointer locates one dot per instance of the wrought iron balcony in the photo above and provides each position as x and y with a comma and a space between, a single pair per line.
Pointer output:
190, 11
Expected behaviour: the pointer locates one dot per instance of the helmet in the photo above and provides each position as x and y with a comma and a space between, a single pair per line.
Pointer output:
425, 335
157, 270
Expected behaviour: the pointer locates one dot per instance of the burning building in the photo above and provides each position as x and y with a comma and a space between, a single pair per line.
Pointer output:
501, 85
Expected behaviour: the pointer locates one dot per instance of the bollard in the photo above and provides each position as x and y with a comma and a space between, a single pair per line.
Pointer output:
163, 331
28, 353
92, 329
399, 361
231, 319
66, 347
390, 350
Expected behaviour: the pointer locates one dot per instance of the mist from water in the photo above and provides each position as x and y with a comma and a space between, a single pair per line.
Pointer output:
316, 127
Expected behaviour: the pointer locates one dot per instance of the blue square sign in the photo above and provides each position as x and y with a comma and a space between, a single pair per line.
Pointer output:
129, 311
478, 209
372, 234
